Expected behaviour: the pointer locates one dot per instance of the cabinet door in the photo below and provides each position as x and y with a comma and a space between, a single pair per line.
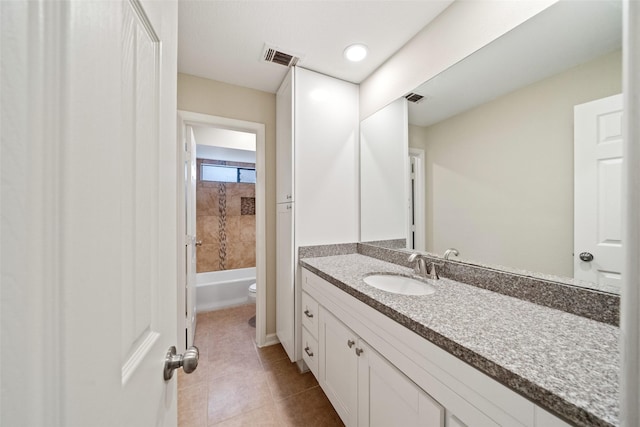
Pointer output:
285, 291
387, 397
284, 140
339, 366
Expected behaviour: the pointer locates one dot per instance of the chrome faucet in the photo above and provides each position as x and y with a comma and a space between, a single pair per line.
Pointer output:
428, 271
421, 264
450, 251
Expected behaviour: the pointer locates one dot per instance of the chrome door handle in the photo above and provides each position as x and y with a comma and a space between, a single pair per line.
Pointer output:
586, 256
188, 361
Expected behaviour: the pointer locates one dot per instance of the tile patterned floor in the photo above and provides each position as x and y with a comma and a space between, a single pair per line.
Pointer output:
238, 384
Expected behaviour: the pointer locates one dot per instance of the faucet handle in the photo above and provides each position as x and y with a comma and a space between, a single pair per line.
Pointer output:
421, 266
433, 274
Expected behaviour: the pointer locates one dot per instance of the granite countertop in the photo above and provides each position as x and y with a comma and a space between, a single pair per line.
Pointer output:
565, 363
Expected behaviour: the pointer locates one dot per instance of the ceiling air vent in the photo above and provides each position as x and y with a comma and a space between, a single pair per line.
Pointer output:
414, 97
277, 56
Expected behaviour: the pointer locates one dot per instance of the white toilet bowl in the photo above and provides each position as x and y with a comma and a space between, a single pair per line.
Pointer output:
252, 292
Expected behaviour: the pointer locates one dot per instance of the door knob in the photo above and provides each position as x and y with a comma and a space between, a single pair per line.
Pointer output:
188, 361
586, 256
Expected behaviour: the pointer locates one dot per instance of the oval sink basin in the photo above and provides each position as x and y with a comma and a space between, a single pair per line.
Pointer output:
399, 284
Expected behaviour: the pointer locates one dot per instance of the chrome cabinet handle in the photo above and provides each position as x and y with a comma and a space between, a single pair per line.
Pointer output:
309, 353
359, 351
188, 361
308, 314
288, 196
350, 343
198, 242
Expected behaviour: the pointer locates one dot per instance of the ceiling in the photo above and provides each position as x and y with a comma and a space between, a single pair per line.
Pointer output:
224, 40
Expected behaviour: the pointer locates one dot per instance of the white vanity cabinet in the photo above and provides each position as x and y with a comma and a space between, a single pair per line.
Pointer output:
364, 388
374, 370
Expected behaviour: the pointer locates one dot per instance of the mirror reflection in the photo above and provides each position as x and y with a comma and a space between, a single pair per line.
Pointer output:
492, 142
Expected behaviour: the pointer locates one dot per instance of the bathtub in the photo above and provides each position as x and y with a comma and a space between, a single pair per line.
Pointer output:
220, 289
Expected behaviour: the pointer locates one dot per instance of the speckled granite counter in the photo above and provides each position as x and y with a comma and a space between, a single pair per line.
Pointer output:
565, 363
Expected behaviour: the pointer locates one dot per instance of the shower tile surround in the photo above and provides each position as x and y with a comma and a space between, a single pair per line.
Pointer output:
580, 384
225, 222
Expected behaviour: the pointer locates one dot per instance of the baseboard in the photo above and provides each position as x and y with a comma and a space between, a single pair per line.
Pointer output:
271, 339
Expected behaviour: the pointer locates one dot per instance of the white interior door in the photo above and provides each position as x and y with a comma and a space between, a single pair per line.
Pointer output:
598, 203
190, 169
93, 213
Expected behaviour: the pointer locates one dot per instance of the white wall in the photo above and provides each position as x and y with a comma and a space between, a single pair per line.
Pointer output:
383, 172
227, 154
499, 177
460, 30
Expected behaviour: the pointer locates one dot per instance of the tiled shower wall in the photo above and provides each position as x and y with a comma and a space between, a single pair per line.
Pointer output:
225, 223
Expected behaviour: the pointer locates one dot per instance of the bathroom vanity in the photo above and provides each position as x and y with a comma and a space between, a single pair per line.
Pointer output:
462, 356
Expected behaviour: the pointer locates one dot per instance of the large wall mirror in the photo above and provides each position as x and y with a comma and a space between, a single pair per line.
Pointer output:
486, 161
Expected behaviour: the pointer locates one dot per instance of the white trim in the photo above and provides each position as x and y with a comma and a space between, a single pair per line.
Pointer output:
420, 232
33, 140
270, 339
188, 117
630, 298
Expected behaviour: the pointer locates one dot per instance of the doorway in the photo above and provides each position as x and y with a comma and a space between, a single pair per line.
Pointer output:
189, 124
416, 220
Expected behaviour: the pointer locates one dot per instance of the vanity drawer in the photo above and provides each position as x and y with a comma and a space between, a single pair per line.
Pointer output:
310, 351
310, 314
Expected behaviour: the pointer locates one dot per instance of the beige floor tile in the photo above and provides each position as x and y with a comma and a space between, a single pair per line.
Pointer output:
245, 364
238, 384
235, 394
192, 406
310, 408
198, 377
271, 353
285, 379
266, 416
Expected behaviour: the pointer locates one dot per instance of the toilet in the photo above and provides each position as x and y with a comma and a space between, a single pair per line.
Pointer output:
252, 293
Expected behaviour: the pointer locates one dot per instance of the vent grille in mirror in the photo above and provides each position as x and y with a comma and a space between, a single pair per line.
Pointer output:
414, 97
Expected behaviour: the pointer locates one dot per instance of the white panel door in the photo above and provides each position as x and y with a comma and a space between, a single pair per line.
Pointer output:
98, 205
191, 173
285, 292
598, 203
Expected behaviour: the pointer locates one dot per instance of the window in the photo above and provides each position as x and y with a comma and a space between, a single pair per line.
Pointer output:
247, 175
218, 173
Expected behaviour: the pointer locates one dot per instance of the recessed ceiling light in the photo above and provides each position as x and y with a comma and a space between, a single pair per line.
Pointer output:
355, 52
